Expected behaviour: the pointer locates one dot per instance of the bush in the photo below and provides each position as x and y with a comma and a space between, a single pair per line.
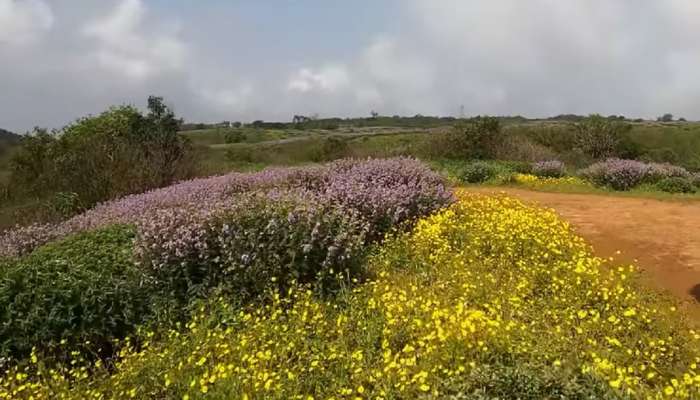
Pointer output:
385, 191
616, 173
332, 148
695, 178
519, 167
235, 136
660, 171
600, 137
549, 169
478, 172
98, 158
261, 242
84, 290
625, 174
676, 185
479, 138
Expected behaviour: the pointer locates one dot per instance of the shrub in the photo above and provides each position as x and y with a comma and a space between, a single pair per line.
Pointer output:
676, 185
479, 138
332, 148
386, 192
263, 241
696, 179
660, 171
519, 167
625, 174
549, 169
98, 158
616, 173
84, 289
600, 137
478, 172
234, 136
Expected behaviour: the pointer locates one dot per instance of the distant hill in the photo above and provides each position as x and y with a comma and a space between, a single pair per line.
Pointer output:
7, 136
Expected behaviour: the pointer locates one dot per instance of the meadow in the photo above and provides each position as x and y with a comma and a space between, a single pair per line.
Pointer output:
344, 263
484, 298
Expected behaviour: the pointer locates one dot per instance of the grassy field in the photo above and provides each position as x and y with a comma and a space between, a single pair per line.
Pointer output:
273, 147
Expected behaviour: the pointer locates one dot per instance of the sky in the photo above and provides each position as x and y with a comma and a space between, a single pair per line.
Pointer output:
215, 60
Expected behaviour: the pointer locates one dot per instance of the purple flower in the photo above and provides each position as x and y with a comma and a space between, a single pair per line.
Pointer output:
624, 174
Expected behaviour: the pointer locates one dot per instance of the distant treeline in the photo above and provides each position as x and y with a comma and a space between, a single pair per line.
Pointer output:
416, 121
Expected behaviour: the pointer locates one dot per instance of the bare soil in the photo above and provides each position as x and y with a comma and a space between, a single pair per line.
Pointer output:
661, 237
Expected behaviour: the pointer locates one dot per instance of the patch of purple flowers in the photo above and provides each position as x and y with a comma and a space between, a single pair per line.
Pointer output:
384, 192
622, 174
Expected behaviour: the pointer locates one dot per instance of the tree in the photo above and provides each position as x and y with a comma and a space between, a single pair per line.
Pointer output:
599, 137
665, 118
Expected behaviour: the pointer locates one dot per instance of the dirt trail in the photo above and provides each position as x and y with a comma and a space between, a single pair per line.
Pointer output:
661, 237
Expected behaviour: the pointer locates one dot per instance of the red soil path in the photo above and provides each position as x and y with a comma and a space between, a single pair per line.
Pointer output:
661, 237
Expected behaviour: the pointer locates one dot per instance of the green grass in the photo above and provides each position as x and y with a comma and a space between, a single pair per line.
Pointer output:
208, 137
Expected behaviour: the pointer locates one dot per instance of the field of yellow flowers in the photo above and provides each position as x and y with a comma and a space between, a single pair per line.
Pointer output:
489, 298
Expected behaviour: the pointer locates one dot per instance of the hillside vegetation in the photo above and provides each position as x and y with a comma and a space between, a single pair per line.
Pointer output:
487, 298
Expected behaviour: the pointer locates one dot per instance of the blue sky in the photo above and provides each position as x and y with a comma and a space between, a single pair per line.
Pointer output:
245, 60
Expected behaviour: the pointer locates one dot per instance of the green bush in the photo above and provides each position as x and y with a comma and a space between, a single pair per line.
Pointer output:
520, 167
331, 148
676, 185
479, 138
600, 137
84, 290
235, 136
120, 151
478, 172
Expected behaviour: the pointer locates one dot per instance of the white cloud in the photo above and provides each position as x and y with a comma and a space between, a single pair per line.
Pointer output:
125, 48
535, 58
330, 78
225, 101
24, 21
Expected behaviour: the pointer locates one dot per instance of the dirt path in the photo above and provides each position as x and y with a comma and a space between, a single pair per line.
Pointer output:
661, 237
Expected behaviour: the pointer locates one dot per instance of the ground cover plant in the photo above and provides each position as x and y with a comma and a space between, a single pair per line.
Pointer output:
489, 298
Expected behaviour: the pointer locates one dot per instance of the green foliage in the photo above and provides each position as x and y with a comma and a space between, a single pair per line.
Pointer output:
84, 290
64, 204
523, 380
676, 185
332, 148
478, 138
97, 158
478, 172
600, 137
235, 136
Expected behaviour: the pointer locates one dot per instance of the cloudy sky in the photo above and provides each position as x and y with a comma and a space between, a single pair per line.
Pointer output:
243, 60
